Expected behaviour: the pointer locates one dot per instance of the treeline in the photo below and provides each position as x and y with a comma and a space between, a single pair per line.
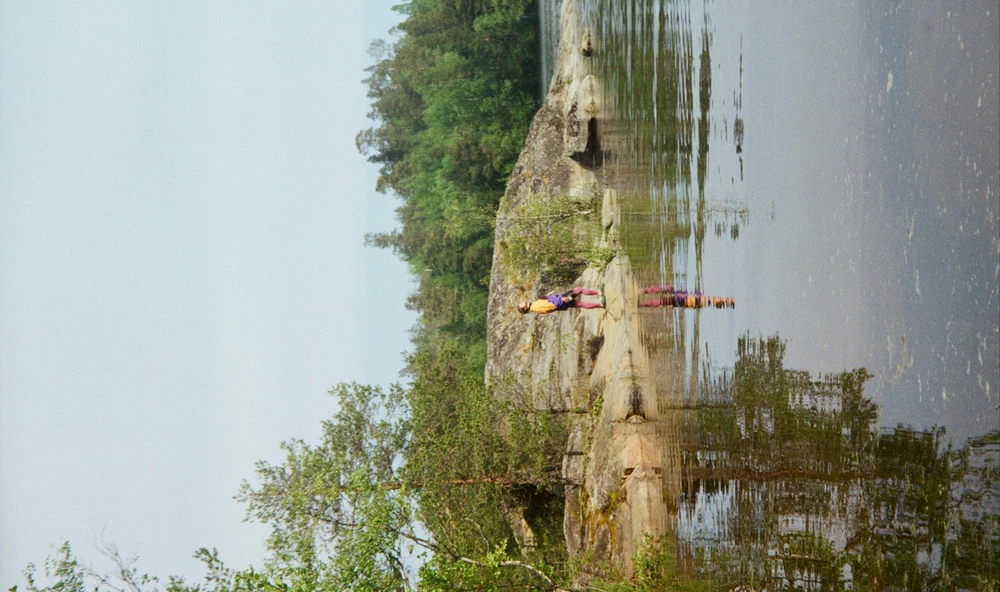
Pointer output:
452, 99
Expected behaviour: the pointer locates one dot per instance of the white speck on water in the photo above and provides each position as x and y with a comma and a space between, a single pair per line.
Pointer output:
944, 394
916, 280
888, 83
979, 103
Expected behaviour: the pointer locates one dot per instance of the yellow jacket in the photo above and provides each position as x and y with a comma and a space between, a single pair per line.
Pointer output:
542, 306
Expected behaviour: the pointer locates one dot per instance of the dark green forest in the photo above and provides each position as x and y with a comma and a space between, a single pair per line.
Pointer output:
451, 102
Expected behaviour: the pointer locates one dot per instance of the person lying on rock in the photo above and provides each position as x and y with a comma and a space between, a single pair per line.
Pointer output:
554, 302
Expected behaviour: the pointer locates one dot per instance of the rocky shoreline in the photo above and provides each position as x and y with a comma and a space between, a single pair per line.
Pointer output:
588, 366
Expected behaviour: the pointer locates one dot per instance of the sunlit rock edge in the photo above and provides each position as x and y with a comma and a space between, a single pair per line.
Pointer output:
580, 364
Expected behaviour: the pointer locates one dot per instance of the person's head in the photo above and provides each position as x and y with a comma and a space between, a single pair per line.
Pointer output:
523, 307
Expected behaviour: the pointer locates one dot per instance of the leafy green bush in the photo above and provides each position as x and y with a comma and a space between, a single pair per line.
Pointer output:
598, 257
548, 235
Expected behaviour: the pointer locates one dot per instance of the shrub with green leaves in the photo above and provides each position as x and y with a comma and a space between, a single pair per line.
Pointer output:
548, 235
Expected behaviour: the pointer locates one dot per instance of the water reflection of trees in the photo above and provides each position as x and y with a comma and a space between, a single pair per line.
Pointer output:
789, 483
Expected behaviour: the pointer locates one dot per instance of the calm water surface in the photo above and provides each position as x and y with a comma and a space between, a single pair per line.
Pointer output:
835, 168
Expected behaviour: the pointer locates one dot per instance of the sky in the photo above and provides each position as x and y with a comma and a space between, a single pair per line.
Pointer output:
182, 268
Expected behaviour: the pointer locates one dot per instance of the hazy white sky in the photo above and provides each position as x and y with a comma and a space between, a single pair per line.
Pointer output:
182, 274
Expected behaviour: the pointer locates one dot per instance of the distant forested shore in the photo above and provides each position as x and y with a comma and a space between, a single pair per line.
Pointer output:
452, 99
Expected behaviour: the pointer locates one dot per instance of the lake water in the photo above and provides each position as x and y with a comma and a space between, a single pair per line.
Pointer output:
835, 168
